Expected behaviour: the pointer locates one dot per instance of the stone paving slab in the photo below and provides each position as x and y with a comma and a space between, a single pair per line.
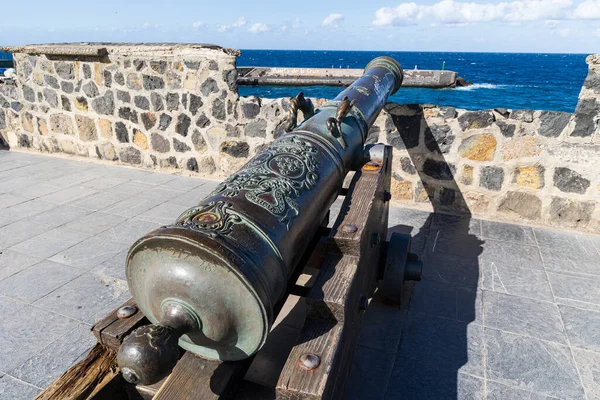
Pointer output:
503, 311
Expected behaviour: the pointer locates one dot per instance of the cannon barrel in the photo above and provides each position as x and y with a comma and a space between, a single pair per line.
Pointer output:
209, 282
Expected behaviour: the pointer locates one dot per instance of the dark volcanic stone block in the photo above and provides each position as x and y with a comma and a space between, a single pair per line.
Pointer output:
475, 120
218, 109
28, 94
64, 69
585, 118
257, 129
408, 130
172, 101
51, 81
571, 213
407, 166
164, 121
179, 146
192, 165
251, 110
157, 102
209, 86
121, 132
552, 123
159, 143
131, 155
235, 149
153, 82
87, 71
447, 196
439, 138
67, 87
198, 141
508, 130
492, 178
522, 115
90, 89
570, 181
183, 124
51, 97
105, 104
195, 103
119, 78
439, 170
125, 97
149, 120
142, 102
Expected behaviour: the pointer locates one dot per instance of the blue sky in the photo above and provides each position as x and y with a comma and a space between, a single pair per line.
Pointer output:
570, 26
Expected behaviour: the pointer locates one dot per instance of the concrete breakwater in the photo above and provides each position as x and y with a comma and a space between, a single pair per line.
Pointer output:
265, 76
177, 107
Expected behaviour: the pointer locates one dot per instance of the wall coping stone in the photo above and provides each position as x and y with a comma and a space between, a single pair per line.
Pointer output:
593, 60
105, 49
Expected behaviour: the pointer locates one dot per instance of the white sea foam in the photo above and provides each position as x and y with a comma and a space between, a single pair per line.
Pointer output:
476, 86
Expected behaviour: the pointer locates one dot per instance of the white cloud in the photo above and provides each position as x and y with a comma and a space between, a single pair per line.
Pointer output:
564, 32
451, 12
198, 25
258, 27
148, 25
551, 24
333, 20
240, 22
589, 9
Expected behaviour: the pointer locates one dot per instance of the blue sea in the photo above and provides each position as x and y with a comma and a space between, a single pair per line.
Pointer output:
4, 56
532, 81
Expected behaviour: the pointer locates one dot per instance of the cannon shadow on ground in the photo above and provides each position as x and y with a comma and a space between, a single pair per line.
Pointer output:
430, 347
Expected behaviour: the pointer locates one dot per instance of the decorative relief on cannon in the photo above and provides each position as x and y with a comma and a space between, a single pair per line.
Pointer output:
274, 178
214, 218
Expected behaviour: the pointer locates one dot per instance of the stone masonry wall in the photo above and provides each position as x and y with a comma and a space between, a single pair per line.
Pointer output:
176, 106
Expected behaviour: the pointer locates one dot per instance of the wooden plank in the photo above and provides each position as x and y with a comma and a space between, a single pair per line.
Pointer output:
194, 378
367, 194
85, 378
143, 392
319, 337
271, 358
331, 294
110, 330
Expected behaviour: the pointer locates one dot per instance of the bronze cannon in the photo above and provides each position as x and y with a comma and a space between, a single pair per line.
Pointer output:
209, 282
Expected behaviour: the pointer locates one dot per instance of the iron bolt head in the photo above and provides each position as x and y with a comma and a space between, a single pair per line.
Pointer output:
349, 228
309, 361
126, 312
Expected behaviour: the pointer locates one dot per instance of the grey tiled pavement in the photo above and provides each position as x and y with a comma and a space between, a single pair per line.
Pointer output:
503, 311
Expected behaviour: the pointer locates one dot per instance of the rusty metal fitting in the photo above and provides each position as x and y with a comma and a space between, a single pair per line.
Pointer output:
126, 312
349, 228
309, 361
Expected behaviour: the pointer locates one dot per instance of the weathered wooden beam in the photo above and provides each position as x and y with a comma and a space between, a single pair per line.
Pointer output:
195, 378
87, 378
110, 330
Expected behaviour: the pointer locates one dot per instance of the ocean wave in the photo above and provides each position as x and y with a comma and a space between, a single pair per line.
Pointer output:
480, 86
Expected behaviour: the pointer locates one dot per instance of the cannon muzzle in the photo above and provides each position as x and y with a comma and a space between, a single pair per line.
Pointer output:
209, 281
